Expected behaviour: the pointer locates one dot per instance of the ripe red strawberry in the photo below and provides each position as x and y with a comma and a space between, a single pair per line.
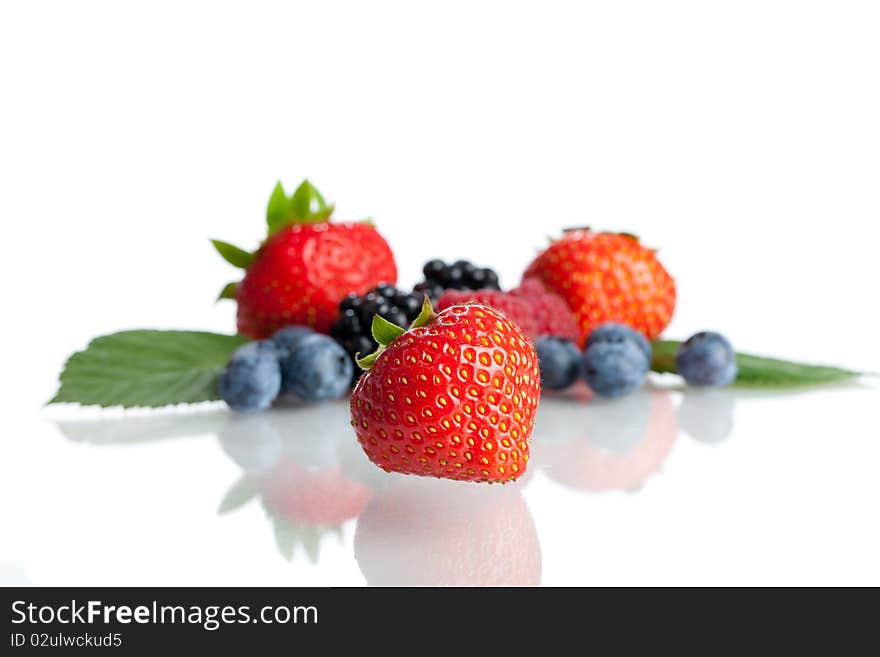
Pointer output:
420, 532
607, 277
515, 309
454, 396
550, 311
306, 265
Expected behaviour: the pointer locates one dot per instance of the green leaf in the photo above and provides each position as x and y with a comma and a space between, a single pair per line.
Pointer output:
232, 254
384, 332
242, 492
278, 210
758, 371
228, 291
308, 206
147, 368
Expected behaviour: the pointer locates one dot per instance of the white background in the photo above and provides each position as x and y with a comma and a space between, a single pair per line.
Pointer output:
741, 138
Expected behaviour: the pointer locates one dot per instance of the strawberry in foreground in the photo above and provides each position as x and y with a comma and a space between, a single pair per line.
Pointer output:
454, 396
306, 265
607, 277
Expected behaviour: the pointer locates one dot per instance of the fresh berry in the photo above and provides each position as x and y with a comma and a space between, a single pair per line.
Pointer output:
454, 396
607, 277
559, 360
289, 338
317, 369
460, 275
706, 359
306, 265
353, 327
550, 311
252, 378
419, 532
615, 369
515, 309
614, 332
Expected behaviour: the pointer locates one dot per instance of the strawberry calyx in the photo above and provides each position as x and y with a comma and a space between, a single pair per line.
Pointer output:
305, 206
385, 332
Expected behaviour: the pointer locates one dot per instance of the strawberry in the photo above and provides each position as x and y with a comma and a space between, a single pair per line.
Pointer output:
550, 311
516, 310
454, 396
420, 532
607, 277
306, 265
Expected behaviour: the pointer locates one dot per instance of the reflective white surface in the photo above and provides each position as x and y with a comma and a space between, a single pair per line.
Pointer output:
740, 139
663, 487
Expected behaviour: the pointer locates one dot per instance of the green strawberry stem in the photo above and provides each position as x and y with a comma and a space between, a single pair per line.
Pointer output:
384, 332
305, 206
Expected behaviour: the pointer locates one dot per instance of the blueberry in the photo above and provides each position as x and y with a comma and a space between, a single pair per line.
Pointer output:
318, 369
614, 332
252, 378
433, 268
559, 361
706, 359
615, 369
290, 336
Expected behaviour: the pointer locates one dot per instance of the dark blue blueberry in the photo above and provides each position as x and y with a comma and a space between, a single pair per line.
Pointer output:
317, 369
252, 378
559, 361
615, 332
615, 369
706, 359
290, 336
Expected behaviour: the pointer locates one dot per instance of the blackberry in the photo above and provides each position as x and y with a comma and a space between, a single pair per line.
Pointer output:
460, 275
352, 329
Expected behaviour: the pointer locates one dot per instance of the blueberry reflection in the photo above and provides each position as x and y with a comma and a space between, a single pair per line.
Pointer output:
706, 415
429, 532
596, 445
306, 470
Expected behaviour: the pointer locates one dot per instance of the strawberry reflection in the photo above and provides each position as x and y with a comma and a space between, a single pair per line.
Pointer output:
595, 444
305, 468
424, 532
